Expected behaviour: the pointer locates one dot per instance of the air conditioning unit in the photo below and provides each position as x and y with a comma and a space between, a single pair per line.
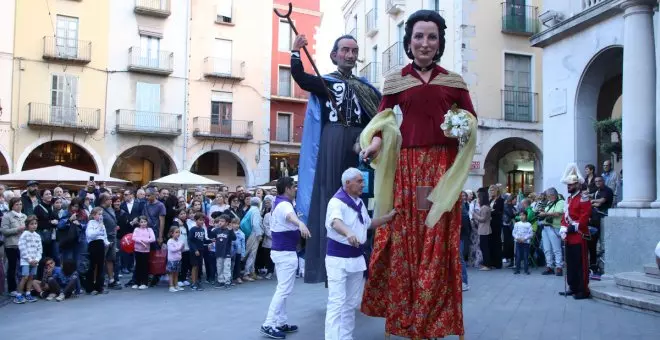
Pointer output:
551, 18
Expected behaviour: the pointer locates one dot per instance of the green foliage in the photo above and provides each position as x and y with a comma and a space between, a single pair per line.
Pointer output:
608, 127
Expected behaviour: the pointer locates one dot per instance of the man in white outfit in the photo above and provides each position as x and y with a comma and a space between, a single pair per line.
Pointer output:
347, 222
286, 230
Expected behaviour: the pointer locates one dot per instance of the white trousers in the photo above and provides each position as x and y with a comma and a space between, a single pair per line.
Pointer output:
286, 264
552, 247
344, 293
223, 269
251, 248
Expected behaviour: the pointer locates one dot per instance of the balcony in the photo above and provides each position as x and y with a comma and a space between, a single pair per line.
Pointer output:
520, 19
519, 106
150, 61
395, 7
393, 57
372, 22
224, 68
154, 8
148, 123
68, 50
295, 97
586, 4
372, 73
236, 130
353, 33
76, 118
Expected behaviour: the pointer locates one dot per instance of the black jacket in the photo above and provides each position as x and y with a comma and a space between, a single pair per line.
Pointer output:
45, 214
28, 208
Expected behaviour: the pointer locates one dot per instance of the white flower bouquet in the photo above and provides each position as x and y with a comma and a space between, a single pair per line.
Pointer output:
457, 124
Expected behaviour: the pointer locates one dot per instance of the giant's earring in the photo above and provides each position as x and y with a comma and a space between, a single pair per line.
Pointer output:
409, 51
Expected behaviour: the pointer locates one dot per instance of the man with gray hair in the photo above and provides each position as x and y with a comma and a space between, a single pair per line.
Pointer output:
347, 222
251, 227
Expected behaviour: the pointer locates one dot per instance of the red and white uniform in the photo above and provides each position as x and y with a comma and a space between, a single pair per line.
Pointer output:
577, 213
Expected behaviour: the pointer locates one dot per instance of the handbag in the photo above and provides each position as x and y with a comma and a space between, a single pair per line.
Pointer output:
158, 261
67, 237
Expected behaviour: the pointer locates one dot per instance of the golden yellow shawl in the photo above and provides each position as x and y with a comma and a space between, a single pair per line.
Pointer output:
446, 191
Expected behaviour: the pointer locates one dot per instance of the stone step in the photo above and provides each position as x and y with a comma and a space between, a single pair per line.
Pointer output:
652, 270
610, 292
638, 282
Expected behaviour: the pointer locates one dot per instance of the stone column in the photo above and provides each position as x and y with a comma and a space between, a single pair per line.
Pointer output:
656, 20
639, 85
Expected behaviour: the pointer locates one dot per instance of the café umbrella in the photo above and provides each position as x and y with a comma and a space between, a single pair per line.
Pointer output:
57, 174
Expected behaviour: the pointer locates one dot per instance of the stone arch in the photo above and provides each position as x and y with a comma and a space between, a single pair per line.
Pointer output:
5, 155
249, 173
120, 163
96, 158
496, 172
598, 91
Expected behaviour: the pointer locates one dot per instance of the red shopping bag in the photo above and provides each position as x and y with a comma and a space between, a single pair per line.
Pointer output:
158, 261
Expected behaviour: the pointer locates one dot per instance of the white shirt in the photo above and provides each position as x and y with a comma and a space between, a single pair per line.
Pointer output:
129, 206
341, 211
279, 222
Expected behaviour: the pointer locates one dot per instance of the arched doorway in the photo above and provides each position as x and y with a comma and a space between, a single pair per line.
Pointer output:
221, 166
598, 98
60, 153
516, 164
142, 164
4, 165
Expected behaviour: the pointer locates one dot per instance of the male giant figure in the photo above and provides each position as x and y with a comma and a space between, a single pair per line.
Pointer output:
347, 221
337, 112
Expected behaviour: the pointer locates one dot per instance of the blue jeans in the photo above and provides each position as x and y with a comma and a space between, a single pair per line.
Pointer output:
464, 275
522, 253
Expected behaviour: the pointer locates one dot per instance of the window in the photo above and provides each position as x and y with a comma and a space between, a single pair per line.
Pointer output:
284, 37
400, 31
434, 5
221, 112
147, 104
518, 98
283, 133
63, 99
223, 53
224, 11
285, 89
66, 36
149, 51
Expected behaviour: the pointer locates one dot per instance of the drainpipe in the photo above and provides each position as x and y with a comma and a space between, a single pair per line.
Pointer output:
186, 92
11, 115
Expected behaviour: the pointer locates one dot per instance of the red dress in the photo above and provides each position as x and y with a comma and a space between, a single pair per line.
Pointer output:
415, 273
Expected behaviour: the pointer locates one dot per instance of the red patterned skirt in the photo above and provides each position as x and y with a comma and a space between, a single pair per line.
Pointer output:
415, 271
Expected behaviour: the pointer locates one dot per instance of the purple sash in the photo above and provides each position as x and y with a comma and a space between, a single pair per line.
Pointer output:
346, 251
279, 199
344, 197
285, 240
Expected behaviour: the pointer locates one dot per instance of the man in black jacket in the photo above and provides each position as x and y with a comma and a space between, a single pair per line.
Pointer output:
133, 208
30, 198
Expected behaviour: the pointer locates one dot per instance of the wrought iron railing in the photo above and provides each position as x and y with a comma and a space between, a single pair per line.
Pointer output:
155, 123
395, 6
158, 8
520, 19
148, 60
519, 106
67, 49
372, 72
40, 114
222, 128
224, 68
393, 57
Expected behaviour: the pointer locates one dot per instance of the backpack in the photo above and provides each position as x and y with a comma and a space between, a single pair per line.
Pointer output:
246, 224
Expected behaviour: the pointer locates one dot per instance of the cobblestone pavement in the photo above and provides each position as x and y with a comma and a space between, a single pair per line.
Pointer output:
499, 305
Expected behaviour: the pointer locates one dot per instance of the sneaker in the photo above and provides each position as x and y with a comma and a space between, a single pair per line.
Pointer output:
239, 281
248, 279
200, 288
114, 285
134, 286
14, 294
272, 333
559, 272
288, 328
193, 287
465, 287
94, 292
228, 286
594, 276
143, 287
179, 288
173, 290
180, 284
548, 271
186, 283
268, 276
60, 297
220, 285
19, 299
50, 297
30, 298
130, 283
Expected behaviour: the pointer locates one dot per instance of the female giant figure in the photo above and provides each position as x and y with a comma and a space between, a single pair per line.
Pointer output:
414, 272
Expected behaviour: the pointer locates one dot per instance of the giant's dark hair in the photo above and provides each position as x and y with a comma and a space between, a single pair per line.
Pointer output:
482, 196
335, 47
283, 183
425, 15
